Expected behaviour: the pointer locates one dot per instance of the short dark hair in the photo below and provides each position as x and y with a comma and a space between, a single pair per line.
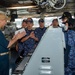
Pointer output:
41, 20
24, 20
55, 20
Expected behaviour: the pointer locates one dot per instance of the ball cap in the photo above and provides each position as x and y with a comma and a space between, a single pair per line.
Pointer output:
29, 20
66, 14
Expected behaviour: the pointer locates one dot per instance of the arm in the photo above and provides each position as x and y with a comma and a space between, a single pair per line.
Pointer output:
12, 41
34, 37
26, 38
15, 38
17, 46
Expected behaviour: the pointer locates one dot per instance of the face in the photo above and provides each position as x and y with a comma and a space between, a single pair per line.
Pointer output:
24, 25
55, 23
65, 19
41, 24
3, 23
29, 25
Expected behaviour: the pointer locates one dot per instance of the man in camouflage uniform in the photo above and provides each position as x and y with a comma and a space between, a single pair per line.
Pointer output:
27, 42
70, 43
40, 30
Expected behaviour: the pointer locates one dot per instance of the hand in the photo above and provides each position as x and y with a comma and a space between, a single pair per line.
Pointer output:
20, 35
32, 35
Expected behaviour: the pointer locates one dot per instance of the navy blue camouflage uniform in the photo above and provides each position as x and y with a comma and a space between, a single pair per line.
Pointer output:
70, 69
27, 45
39, 32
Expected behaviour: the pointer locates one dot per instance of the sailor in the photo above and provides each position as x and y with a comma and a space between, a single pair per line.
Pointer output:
4, 45
28, 42
70, 43
40, 30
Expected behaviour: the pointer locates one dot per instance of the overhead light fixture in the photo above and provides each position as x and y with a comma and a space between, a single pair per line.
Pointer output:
21, 7
21, 2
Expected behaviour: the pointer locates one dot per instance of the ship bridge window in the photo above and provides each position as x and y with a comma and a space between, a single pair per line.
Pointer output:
48, 21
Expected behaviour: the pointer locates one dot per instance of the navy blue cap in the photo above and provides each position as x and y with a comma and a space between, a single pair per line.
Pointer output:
30, 20
66, 14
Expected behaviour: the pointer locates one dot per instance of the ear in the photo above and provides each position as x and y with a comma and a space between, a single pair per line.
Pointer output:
0, 21
32, 24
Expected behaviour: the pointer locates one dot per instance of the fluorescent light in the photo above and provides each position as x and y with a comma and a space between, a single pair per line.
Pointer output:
22, 7
25, 2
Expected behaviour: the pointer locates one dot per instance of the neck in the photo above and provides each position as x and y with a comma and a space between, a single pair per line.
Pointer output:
29, 28
0, 26
41, 27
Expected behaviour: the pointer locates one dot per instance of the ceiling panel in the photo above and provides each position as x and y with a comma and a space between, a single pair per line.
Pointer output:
70, 6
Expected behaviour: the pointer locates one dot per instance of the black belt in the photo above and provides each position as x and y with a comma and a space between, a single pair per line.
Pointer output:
1, 54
